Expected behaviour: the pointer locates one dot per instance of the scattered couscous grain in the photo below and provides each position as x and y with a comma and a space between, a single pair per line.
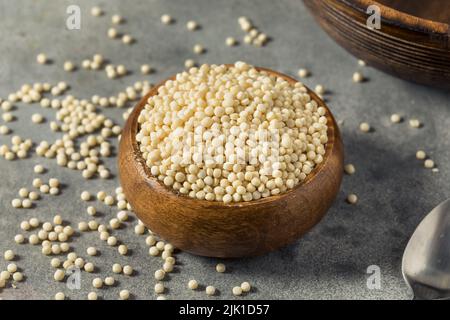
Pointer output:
352, 198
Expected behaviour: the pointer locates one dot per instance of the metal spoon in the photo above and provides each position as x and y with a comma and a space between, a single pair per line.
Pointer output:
426, 260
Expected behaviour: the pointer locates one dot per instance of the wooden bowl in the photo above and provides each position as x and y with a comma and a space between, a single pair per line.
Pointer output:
212, 228
413, 42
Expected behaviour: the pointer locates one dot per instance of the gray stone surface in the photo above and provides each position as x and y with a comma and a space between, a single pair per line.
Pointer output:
330, 262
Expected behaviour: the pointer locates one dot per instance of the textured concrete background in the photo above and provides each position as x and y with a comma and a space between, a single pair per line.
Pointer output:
330, 262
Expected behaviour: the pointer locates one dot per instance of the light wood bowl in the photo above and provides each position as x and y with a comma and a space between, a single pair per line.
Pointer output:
413, 42
211, 228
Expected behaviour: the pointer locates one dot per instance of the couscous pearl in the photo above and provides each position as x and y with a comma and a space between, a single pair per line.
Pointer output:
25, 225
170, 260
16, 203
5, 275
246, 287
146, 69
396, 118
112, 33
349, 169
220, 267
139, 229
414, 123
150, 240
109, 281
69, 66
23, 192
127, 270
116, 268
112, 241
101, 195
26, 203
37, 118
72, 256
11, 268
210, 290
189, 63
92, 296
55, 263
83, 226
38, 168
19, 239
429, 164
352, 198
159, 274
192, 25
59, 275
104, 235
114, 223
79, 262
192, 284
85, 196
153, 251
91, 211
364, 127
89, 267
421, 155
166, 19
198, 49
7, 117
237, 291
116, 19
168, 267
64, 247
230, 41
57, 220
92, 251
37, 182
122, 215
33, 195
109, 200
60, 296
41, 58
160, 245
93, 225
34, 222
9, 255
159, 288
124, 294
358, 77
127, 39
319, 89
53, 183
303, 73
97, 283
4, 129
123, 249
96, 11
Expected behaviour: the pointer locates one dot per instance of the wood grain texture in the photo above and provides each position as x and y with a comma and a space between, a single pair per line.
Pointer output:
215, 229
410, 47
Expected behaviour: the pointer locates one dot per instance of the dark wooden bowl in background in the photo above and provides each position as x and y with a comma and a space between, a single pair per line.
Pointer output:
211, 228
413, 42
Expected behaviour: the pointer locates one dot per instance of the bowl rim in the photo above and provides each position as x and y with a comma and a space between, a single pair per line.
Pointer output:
332, 133
394, 16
